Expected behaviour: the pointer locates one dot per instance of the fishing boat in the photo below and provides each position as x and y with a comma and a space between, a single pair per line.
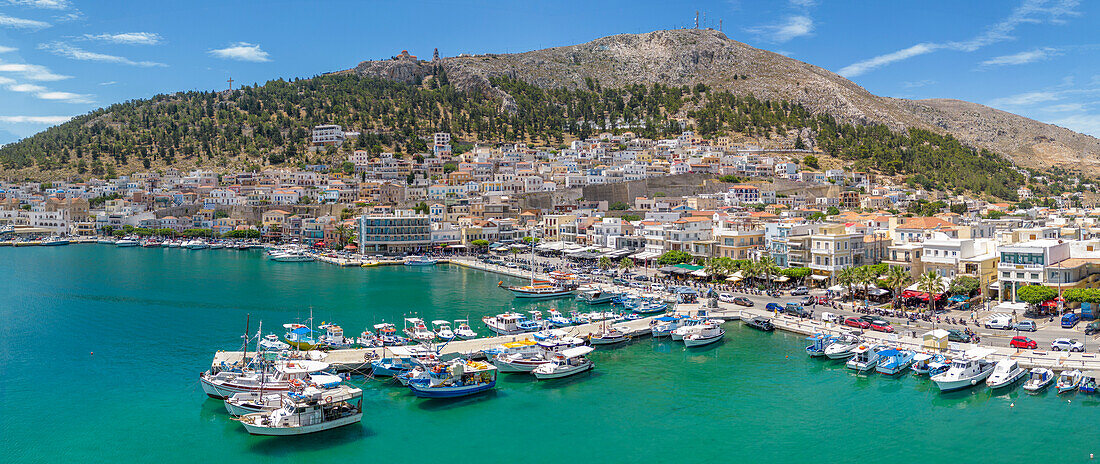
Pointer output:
419, 261
893, 361
965, 372
556, 319
253, 401
391, 366
1006, 372
300, 336
760, 323
150, 243
865, 357
843, 347
818, 343
647, 306
509, 324
415, 329
525, 361
334, 337
518, 346
595, 296
1038, 379
127, 242
442, 330
271, 342
565, 363
463, 331
455, 379
195, 244
710, 332
922, 363
664, 326
686, 326
607, 336
222, 384
535, 316
1069, 381
311, 410
54, 241
388, 334
1088, 384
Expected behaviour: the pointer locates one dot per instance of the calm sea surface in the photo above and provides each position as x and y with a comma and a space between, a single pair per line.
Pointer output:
154, 317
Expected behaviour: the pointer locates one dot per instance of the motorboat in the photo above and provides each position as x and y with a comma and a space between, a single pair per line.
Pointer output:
865, 357
388, 334
843, 347
1069, 381
818, 343
893, 361
594, 296
463, 331
525, 361
311, 410
565, 363
195, 244
969, 370
556, 319
271, 342
664, 326
456, 378
647, 306
442, 330
1038, 379
420, 261
300, 336
509, 324
54, 241
391, 366
222, 384
127, 242
253, 401
923, 363
517, 346
291, 256
415, 329
1088, 383
760, 323
686, 327
1006, 372
710, 332
607, 336
150, 243
333, 337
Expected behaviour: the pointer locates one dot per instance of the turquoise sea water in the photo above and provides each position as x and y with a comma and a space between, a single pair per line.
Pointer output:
153, 318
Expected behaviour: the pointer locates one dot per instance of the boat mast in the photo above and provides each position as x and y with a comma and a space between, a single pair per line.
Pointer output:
244, 345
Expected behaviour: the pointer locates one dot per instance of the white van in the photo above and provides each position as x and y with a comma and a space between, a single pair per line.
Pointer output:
999, 322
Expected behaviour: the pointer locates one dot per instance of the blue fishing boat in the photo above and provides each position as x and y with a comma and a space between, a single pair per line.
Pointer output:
923, 362
391, 367
647, 307
455, 379
818, 343
892, 361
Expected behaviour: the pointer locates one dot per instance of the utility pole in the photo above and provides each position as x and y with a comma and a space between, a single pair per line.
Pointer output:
719, 25
697, 19
230, 81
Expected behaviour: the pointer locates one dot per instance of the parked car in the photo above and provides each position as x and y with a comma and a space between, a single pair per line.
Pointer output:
742, 301
641, 278
797, 310
999, 322
875, 320
807, 300
1023, 342
1067, 344
854, 322
882, 327
1069, 320
1027, 326
725, 297
800, 291
774, 307
955, 335
1092, 328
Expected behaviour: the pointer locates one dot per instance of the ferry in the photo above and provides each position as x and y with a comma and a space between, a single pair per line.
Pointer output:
312, 410
455, 379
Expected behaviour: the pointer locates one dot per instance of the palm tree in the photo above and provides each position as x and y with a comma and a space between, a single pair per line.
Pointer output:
714, 267
932, 284
749, 270
343, 232
605, 263
767, 266
865, 276
897, 278
846, 277
626, 264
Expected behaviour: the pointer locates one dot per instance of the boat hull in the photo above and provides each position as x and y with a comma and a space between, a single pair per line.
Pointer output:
222, 391
557, 374
450, 392
693, 342
286, 431
962, 384
995, 385
520, 366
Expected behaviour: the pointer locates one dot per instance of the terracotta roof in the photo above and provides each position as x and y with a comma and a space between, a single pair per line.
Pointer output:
925, 223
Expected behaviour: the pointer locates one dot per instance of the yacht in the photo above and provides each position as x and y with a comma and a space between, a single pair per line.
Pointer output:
127, 242
709, 332
291, 256
1038, 379
567, 362
416, 330
893, 361
442, 330
509, 324
1069, 381
455, 379
312, 410
463, 331
818, 343
842, 348
1006, 372
195, 244
966, 371
865, 357
419, 261
594, 296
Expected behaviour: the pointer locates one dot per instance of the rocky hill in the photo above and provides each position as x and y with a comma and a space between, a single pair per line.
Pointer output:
690, 56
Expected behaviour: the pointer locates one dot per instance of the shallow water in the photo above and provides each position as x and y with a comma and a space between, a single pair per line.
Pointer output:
153, 317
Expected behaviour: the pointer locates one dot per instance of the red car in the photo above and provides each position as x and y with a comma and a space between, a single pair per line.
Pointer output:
882, 327
854, 322
1023, 342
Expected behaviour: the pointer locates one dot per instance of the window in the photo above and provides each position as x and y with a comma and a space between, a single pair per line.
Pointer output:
1035, 275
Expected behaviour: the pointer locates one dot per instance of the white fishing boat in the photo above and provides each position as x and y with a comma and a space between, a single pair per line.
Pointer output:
565, 363
333, 337
609, 336
416, 329
271, 342
843, 348
969, 370
594, 296
463, 331
710, 331
442, 330
419, 261
686, 327
525, 361
509, 324
1038, 379
556, 319
252, 402
312, 410
1069, 381
865, 357
1006, 372
222, 384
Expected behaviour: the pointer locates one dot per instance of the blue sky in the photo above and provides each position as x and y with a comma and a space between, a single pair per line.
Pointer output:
60, 58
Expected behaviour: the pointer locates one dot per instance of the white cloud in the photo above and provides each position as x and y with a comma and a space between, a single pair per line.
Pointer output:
35, 119
1030, 11
44, 4
1083, 123
31, 72
6, 80
1027, 98
1064, 108
108, 83
916, 84
26, 88
67, 97
21, 23
793, 27
4, 49
803, 3
1024, 57
76, 53
241, 51
127, 38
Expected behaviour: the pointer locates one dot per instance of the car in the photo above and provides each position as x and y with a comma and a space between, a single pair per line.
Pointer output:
874, 320
796, 310
618, 281
641, 278
955, 335
1069, 320
1023, 342
807, 300
725, 297
1067, 344
800, 291
1027, 326
742, 301
773, 307
882, 327
656, 288
1092, 328
859, 323
999, 322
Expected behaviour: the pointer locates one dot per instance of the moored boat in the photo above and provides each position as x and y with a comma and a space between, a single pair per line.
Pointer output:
893, 361
923, 363
818, 343
419, 261
442, 330
463, 331
509, 324
300, 336
1069, 381
843, 347
565, 363
595, 296
1006, 372
1038, 379
455, 379
711, 331
969, 370
865, 357
312, 410
760, 323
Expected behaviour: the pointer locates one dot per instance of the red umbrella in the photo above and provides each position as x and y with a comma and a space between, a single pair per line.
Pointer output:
319, 244
1050, 303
